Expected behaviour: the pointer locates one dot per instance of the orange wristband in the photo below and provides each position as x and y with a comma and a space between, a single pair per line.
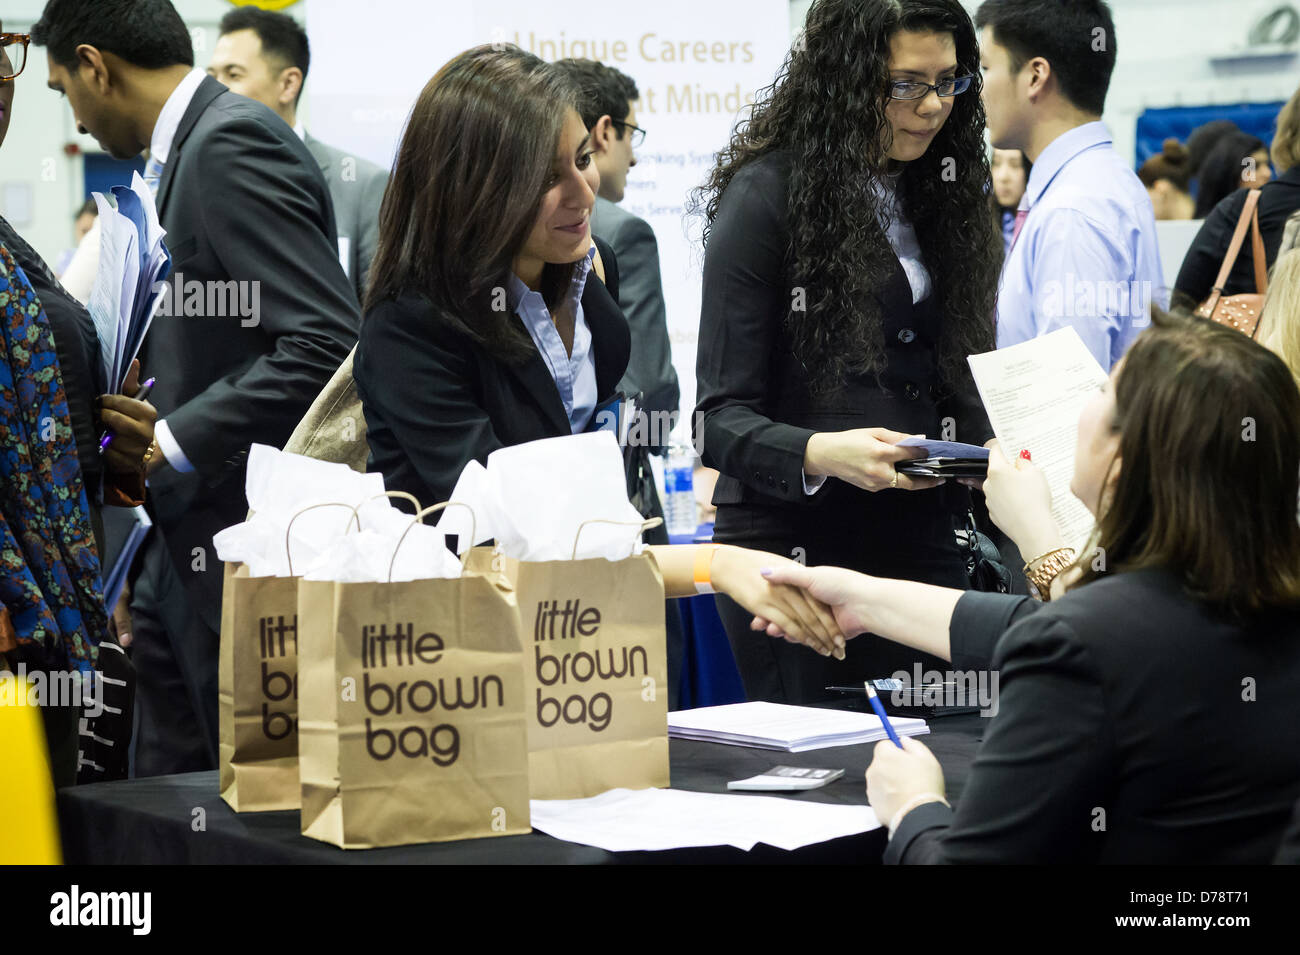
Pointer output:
704, 568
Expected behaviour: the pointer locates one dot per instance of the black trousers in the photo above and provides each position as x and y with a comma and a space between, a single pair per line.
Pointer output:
175, 657
901, 534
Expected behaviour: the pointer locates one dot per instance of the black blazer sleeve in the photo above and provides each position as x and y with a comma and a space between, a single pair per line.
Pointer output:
978, 621
745, 296
425, 418
262, 218
1205, 255
1042, 770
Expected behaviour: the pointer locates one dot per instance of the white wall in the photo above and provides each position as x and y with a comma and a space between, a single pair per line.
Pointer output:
1165, 48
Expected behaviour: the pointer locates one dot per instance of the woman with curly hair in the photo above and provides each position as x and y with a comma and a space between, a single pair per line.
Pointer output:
850, 267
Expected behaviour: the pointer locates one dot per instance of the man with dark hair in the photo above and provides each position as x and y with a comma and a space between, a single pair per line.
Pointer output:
265, 56
1084, 250
606, 99
258, 317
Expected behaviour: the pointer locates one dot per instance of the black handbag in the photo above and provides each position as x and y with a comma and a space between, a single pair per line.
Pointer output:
984, 564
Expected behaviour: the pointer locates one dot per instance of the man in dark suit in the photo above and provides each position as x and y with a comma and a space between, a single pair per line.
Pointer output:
265, 56
259, 314
606, 98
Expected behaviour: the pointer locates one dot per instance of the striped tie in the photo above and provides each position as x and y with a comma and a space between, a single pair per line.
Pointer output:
153, 175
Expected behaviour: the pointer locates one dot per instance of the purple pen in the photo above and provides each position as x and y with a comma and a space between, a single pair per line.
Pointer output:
140, 395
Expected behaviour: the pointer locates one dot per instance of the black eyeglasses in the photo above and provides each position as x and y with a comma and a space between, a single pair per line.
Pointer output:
914, 89
638, 134
13, 54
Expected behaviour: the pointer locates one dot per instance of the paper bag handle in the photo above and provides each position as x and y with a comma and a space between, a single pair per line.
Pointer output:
402, 494
289, 556
419, 519
644, 525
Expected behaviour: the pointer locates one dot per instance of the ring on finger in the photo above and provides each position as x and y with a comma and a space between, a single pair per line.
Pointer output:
894, 482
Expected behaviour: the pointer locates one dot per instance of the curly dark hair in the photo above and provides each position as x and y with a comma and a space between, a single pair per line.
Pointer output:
826, 108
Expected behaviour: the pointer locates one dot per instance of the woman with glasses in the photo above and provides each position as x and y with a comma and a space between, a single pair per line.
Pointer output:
53, 478
850, 267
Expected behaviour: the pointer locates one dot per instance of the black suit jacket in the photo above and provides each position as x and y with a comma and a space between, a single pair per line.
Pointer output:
754, 413
242, 200
434, 399
1278, 198
1133, 727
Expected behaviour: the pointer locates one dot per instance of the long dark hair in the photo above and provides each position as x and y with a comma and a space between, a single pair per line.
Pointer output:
466, 189
1209, 448
1223, 170
827, 109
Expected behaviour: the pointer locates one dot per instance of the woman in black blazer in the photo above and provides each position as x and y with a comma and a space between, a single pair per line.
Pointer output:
850, 268
1149, 714
483, 326
1278, 199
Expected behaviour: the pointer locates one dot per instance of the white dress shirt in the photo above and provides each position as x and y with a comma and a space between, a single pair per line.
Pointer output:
160, 147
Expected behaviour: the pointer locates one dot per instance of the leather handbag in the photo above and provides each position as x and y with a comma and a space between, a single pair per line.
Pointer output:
1240, 311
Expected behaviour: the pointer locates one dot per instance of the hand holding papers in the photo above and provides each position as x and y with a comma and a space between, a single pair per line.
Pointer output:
945, 459
1033, 393
133, 261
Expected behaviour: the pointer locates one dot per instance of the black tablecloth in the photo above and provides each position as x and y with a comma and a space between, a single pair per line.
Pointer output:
158, 820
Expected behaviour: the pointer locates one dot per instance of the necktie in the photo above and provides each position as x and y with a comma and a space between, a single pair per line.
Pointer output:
153, 175
1020, 222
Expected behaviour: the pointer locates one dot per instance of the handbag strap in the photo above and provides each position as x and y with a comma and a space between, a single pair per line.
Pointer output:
1249, 218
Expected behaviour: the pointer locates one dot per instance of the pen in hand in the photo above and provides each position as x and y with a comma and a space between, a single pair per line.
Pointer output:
880, 711
140, 395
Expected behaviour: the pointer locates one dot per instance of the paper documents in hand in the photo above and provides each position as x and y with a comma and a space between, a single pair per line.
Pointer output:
1033, 393
626, 820
132, 261
793, 729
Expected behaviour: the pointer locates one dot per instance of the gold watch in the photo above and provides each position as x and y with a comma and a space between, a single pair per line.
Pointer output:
1049, 566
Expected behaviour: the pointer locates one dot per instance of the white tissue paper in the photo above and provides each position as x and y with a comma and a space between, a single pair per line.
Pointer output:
537, 499
283, 492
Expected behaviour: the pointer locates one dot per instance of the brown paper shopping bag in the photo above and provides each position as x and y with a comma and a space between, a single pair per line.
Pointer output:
412, 725
597, 662
257, 691
257, 686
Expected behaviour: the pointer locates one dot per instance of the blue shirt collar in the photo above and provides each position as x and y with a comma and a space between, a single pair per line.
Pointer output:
517, 292
1058, 153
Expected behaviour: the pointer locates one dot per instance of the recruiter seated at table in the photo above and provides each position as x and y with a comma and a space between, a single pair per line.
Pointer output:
1147, 713
488, 322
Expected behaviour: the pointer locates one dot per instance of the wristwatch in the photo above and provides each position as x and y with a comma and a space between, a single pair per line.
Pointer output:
1049, 565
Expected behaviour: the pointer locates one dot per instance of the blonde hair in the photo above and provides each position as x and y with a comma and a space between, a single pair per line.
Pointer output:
1286, 143
1279, 322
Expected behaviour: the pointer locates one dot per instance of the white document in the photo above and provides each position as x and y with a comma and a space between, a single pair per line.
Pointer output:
1033, 393
127, 290
792, 729
626, 820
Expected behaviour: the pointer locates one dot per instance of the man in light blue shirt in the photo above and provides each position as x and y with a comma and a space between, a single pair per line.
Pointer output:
1084, 252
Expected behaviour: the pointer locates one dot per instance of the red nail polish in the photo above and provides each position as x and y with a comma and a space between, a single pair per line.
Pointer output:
1025, 454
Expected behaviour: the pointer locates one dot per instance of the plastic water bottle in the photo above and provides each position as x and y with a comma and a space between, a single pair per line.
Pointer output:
680, 512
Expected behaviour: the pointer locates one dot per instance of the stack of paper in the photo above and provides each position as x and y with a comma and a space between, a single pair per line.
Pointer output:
1033, 393
133, 262
793, 729
625, 820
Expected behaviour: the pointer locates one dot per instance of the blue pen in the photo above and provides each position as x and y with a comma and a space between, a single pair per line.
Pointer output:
880, 711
